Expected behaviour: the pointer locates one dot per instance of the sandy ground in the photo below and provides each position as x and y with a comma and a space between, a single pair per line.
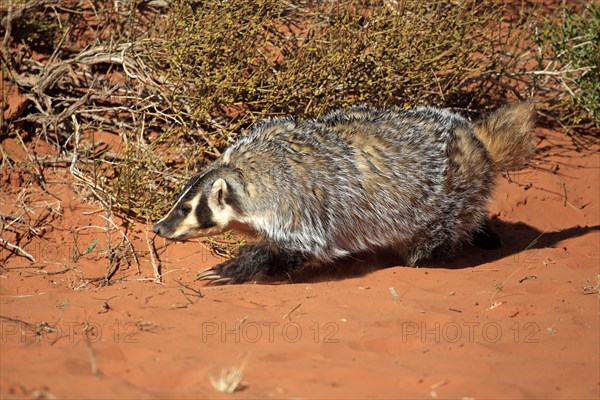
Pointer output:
518, 322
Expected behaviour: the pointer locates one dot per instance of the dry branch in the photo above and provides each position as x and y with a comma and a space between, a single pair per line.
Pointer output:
15, 247
153, 257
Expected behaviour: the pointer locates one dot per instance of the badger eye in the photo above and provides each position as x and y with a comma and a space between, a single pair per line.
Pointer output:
184, 210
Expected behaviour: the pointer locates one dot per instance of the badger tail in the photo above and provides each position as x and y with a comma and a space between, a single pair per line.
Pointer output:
506, 134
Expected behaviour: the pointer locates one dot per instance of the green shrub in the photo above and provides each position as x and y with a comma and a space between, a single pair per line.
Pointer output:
571, 44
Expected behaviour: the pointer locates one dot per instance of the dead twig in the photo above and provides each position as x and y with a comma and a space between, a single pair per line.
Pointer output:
286, 316
196, 292
14, 14
113, 265
93, 358
153, 257
39, 328
9, 245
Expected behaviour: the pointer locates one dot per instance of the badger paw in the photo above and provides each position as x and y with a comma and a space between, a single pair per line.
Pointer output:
229, 272
253, 262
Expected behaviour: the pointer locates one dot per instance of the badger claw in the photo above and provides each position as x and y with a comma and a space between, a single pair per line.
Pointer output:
213, 278
222, 281
206, 272
210, 277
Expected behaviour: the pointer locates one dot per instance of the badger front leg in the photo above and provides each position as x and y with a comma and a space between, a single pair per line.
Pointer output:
253, 262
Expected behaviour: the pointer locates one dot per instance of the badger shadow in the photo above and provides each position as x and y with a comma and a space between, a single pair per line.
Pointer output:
515, 239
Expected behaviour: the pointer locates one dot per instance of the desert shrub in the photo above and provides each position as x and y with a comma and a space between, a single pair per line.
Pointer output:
572, 42
271, 58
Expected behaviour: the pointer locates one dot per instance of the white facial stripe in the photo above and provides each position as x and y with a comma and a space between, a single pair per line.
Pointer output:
190, 222
177, 203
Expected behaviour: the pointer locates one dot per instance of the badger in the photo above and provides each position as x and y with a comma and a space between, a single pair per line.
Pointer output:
416, 182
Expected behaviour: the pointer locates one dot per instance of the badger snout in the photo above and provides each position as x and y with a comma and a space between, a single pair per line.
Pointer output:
158, 228
164, 228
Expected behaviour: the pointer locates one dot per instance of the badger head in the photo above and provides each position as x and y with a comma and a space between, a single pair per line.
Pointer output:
208, 205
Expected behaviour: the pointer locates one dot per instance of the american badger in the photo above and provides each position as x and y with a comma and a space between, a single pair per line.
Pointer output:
416, 182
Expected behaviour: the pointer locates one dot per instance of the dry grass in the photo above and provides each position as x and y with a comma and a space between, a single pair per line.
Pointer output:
229, 380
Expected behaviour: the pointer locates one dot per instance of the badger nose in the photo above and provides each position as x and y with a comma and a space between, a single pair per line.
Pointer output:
157, 228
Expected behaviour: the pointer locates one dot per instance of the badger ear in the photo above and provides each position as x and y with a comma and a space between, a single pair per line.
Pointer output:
218, 193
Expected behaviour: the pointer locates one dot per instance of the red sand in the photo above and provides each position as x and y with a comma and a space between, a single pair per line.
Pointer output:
518, 322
